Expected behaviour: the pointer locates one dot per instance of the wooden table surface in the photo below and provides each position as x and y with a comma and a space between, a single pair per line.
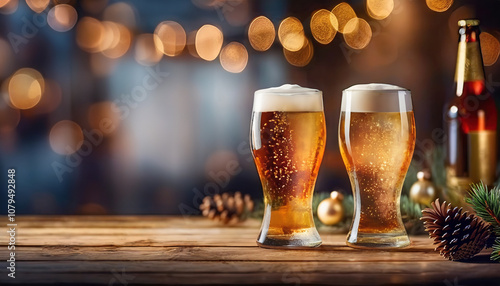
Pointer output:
128, 250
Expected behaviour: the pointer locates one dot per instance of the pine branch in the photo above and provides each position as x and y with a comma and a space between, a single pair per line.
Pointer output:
486, 203
495, 255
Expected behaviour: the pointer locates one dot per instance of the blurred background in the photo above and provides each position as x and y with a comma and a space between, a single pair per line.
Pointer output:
143, 107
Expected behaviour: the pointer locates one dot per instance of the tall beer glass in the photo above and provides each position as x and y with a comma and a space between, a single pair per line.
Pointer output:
288, 140
376, 139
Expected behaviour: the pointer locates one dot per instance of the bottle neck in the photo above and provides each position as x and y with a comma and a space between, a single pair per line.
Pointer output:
469, 73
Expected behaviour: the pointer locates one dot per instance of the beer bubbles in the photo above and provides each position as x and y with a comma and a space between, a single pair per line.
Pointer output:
234, 57
208, 42
66, 137
170, 38
25, 88
261, 33
291, 34
324, 26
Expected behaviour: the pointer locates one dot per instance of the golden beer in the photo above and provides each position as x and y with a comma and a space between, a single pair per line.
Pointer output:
376, 142
288, 145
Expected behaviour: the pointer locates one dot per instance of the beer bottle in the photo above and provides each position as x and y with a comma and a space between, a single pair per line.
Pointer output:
471, 117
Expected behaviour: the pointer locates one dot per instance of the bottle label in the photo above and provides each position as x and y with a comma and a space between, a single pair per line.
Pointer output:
482, 156
469, 63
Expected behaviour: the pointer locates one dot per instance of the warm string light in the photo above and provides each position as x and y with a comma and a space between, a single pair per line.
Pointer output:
490, 48
146, 52
324, 26
359, 35
66, 137
37, 6
379, 9
25, 88
291, 34
170, 38
261, 33
62, 17
343, 12
208, 42
234, 57
439, 5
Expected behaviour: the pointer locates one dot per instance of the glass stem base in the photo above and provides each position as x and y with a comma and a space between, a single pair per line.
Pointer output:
306, 239
378, 240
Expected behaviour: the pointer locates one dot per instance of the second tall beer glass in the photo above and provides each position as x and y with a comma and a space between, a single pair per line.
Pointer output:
376, 139
288, 140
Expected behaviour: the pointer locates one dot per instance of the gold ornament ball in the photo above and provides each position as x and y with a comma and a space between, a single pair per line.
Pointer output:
331, 210
423, 190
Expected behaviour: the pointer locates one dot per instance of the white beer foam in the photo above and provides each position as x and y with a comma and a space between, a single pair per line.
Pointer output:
376, 97
288, 97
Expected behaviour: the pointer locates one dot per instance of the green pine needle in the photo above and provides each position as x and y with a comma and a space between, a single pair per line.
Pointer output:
495, 255
486, 203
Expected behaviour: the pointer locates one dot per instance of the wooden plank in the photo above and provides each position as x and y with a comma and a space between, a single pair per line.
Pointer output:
121, 277
125, 222
323, 253
208, 239
388, 267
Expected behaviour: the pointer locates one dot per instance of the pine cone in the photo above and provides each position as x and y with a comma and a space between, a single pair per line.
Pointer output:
228, 208
458, 235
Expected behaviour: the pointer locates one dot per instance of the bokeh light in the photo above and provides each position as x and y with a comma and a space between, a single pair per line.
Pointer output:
9, 117
8, 6
65, 137
490, 48
25, 88
51, 98
261, 33
3, 3
37, 5
121, 13
121, 41
344, 13
439, 5
324, 26
291, 34
103, 116
208, 42
301, 57
93, 6
146, 52
359, 35
234, 57
379, 9
89, 34
62, 17
170, 38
